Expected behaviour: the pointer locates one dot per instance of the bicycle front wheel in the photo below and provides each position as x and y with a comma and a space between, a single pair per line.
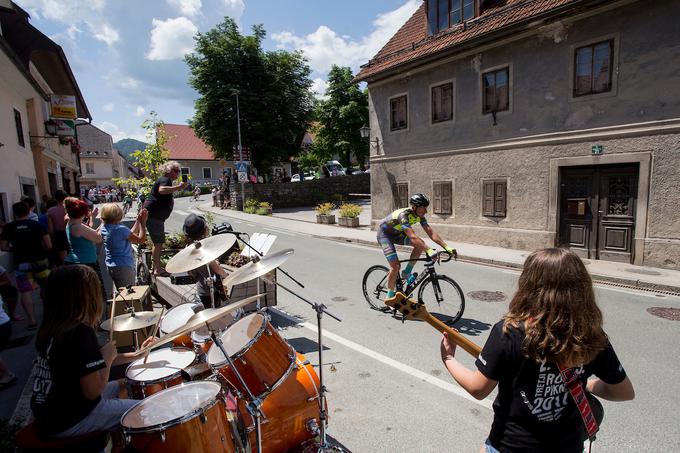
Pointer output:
443, 298
374, 286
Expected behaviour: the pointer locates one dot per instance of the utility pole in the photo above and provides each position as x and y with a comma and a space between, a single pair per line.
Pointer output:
240, 148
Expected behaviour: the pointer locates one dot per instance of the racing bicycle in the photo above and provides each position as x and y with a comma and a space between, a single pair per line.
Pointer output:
441, 294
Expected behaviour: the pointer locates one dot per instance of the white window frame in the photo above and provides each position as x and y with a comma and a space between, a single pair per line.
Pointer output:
182, 172
203, 169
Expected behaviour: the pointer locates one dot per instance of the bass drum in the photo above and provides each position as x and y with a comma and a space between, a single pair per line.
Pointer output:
291, 411
196, 417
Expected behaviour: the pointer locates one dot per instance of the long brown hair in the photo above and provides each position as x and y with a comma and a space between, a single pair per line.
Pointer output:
556, 303
72, 296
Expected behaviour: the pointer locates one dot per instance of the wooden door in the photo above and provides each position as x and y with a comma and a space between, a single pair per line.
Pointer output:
597, 211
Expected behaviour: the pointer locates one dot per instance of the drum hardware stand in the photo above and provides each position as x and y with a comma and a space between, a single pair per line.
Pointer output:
324, 445
129, 308
254, 404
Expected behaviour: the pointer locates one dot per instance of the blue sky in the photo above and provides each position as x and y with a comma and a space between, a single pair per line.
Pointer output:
128, 55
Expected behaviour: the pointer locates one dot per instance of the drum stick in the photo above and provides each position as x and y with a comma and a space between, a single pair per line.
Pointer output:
155, 329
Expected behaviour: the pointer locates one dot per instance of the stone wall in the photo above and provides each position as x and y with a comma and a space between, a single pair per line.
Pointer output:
304, 193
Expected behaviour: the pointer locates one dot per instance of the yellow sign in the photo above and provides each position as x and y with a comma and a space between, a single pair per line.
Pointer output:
63, 106
223, 163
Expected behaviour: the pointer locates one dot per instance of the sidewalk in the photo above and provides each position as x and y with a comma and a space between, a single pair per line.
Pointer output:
303, 220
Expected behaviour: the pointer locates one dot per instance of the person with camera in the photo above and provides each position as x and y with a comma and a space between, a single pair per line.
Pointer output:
159, 203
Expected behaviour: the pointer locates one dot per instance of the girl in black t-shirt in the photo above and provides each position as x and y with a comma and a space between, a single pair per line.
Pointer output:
72, 394
553, 318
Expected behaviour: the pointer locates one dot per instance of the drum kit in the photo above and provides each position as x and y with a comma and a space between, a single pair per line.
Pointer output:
227, 383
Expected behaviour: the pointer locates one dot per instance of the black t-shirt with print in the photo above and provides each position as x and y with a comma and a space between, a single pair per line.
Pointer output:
159, 205
534, 411
58, 402
26, 238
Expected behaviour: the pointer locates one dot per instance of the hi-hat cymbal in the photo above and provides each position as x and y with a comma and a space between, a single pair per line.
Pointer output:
131, 321
199, 320
259, 268
200, 253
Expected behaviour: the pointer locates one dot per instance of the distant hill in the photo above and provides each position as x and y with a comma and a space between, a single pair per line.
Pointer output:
128, 146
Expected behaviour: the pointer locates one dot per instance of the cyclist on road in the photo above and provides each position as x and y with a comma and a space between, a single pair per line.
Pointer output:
396, 228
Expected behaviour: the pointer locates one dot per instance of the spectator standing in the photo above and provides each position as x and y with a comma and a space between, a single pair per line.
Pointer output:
56, 225
9, 294
7, 378
82, 238
215, 195
31, 206
29, 242
160, 204
120, 259
43, 204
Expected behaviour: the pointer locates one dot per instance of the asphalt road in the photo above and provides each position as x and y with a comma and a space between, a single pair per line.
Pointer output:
388, 388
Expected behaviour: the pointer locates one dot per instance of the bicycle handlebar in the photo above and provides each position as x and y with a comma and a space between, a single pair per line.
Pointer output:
435, 257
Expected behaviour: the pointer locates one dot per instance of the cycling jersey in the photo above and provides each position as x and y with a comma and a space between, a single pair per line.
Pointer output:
395, 223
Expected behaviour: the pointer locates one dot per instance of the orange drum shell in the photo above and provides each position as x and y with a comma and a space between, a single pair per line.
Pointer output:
192, 435
183, 340
287, 410
140, 389
262, 364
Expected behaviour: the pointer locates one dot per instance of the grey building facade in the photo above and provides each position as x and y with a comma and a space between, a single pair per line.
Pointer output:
539, 124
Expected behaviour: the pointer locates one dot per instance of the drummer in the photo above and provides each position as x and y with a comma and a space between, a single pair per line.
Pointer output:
196, 228
72, 395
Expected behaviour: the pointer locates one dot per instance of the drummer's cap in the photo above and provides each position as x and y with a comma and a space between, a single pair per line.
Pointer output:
194, 226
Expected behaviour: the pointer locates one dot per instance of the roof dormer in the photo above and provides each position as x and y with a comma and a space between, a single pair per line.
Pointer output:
444, 14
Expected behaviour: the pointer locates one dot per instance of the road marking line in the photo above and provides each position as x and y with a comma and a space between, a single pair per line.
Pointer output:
632, 292
449, 387
279, 231
181, 212
250, 224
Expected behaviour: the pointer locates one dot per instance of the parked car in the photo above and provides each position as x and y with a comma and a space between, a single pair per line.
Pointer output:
332, 168
296, 177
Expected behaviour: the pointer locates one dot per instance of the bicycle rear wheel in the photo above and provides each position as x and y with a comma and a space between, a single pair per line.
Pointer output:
374, 286
443, 298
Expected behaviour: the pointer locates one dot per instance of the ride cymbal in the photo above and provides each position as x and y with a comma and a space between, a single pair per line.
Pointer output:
258, 268
200, 253
131, 321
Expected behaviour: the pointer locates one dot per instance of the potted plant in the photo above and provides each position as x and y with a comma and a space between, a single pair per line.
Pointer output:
251, 206
264, 208
323, 213
349, 215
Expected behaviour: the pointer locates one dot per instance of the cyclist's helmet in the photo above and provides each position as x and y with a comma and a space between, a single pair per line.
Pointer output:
418, 199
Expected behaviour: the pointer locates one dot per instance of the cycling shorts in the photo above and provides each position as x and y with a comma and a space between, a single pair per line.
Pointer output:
387, 242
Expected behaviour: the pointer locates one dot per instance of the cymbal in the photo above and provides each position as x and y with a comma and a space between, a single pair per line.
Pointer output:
131, 321
199, 320
259, 268
200, 253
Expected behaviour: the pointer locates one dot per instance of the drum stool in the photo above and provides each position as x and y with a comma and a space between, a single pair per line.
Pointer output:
27, 441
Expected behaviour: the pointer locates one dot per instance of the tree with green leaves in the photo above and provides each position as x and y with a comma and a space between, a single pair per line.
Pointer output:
340, 117
273, 89
150, 158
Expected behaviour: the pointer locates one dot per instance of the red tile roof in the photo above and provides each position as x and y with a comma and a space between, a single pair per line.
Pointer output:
184, 145
412, 43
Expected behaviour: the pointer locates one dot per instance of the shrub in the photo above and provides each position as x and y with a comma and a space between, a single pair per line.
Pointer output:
262, 211
250, 209
265, 205
324, 208
252, 203
350, 210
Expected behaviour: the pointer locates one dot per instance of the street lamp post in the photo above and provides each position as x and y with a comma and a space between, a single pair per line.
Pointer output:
365, 132
235, 92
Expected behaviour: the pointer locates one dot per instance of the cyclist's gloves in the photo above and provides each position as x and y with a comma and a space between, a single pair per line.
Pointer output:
430, 253
451, 251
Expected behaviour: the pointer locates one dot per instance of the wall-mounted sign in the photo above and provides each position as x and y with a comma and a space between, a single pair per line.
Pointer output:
66, 128
63, 106
597, 149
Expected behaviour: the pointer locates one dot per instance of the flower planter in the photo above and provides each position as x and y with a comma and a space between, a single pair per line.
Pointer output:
327, 219
351, 222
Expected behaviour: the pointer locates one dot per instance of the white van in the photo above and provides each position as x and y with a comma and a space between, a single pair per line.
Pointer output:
332, 168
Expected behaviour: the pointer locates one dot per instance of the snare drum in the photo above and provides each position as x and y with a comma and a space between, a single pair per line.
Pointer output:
192, 417
177, 317
162, 369
261, 356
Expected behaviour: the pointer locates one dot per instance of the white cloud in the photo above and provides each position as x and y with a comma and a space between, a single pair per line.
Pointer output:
108, 107
128, 82
186, 7
172, 38
117, 133
88, 12
319, 87
140, 111
324, 47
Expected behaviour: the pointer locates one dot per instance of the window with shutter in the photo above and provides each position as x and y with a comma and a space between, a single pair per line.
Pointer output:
494, 198
398, 113
402, 194
442, 199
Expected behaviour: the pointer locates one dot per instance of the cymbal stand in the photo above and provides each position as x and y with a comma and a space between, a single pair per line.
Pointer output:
129, 308
238, 237
320, 309
254, 404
